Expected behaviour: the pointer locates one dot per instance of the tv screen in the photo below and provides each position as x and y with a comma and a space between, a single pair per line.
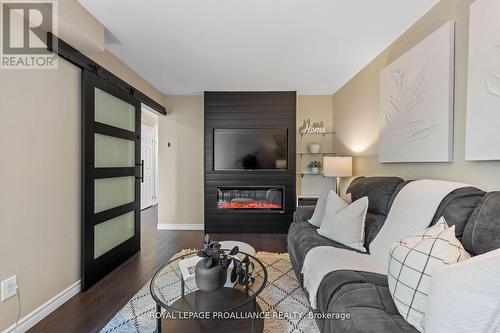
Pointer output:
250, 149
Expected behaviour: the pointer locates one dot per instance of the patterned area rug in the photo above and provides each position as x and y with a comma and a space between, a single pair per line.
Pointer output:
282, 298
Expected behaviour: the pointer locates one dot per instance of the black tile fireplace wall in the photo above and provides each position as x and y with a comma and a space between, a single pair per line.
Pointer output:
249, 110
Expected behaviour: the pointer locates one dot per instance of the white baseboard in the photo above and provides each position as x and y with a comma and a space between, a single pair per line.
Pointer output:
168, 226
45, 309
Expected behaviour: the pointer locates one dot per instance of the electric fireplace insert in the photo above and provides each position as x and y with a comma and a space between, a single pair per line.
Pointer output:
251, 199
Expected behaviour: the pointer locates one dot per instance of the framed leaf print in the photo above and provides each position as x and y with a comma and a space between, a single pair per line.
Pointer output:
416, 102
483, 97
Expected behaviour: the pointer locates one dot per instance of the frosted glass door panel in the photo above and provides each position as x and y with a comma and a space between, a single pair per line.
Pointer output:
113, 111
111, 152
109, 234
113, 192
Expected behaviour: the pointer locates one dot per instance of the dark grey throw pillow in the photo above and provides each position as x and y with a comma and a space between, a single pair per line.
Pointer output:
457, 208
482, 232
379, 191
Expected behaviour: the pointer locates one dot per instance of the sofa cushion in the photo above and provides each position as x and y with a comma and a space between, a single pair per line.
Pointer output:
366, 297
323, 260
482, 231
457, 208
379, 191
336, 280
302, 237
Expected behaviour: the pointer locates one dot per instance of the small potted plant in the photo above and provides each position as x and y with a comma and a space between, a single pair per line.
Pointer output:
211, 271
314, 166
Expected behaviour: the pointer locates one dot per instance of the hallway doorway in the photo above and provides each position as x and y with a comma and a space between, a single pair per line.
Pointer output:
149, 158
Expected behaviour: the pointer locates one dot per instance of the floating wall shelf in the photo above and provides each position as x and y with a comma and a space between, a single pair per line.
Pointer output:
302, 174
326, 133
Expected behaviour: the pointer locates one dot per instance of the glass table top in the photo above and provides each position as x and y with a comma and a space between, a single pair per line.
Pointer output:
172, 292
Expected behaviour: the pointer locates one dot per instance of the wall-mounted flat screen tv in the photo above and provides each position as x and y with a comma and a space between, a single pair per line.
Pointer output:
250, 149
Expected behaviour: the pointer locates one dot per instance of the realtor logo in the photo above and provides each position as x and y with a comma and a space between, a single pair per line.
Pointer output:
24, 34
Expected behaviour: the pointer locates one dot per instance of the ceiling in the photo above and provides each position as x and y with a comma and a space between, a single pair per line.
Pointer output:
185, 47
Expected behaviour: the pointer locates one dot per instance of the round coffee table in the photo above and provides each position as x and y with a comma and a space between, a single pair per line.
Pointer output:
244, 247
187, 309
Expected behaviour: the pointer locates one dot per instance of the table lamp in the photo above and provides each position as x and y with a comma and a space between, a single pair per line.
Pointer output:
337, 166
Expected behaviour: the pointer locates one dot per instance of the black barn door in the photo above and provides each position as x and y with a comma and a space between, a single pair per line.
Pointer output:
111, 175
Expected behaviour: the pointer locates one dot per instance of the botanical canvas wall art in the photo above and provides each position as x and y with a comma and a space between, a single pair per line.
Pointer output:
416, 102
483, 100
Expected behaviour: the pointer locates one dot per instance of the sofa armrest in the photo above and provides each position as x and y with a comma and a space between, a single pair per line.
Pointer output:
303, 213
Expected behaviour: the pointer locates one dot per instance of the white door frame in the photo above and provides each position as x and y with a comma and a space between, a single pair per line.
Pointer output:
149, 127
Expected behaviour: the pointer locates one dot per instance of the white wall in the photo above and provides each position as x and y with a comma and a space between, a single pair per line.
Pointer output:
181, 165
356, 108
40, 184
40, 168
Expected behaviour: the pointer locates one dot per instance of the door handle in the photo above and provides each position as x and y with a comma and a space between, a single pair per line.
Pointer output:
141, 177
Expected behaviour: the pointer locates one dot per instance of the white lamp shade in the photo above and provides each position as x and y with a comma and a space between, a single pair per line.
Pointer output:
337, 166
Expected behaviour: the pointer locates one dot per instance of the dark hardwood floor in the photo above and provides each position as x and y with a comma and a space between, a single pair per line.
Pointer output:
90, 311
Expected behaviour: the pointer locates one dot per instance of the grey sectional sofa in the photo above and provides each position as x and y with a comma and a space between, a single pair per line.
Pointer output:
366, 296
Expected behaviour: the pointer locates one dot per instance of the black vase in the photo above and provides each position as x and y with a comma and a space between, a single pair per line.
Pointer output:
209, 279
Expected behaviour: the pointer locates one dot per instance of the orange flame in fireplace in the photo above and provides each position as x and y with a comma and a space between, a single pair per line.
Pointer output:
251, 204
